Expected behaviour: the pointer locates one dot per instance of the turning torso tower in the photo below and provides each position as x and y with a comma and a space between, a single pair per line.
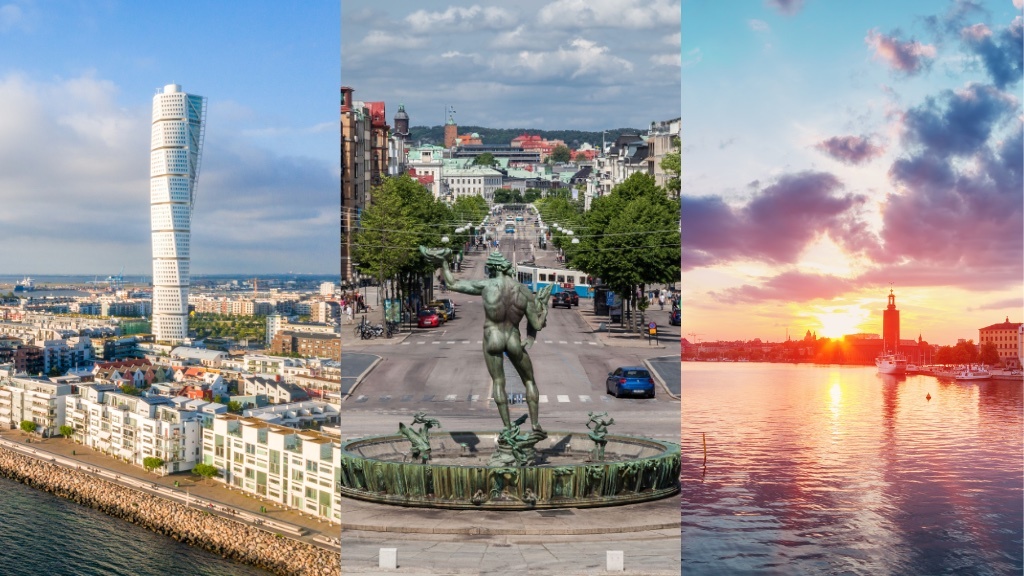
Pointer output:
175, 153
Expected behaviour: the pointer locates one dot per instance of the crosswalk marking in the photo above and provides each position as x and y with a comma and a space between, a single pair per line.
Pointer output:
362, 398
543, 399
385, 398
563, 398
421, 342
547, 341
474, 397
562, 342
577, 342
435, 342
450, 398
450, 342
584, 398
592, 343
406, 343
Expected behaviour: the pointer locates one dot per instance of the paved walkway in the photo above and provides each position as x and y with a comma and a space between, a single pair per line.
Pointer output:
245, 506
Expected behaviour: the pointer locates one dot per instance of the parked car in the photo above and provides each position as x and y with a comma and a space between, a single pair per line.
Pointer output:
675, 318
428, 318
561, 299
630, 381
441, 313
447, 304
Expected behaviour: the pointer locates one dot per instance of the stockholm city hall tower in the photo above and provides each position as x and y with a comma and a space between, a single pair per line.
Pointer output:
891, 326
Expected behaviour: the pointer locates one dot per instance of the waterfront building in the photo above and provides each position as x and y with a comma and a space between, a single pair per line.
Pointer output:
300, 469
37, 400
133, 428
1006, 338
175, 155
301, 415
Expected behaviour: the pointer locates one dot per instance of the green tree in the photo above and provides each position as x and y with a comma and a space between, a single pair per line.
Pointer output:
502, 196
131, 390
485, 159
944, 355
561, 154
531, 195
234, 406
55, 371
989, 354
66, 431
580, 157
965, 352
28, 426
151, 463
671, 163
205, 471
387, 237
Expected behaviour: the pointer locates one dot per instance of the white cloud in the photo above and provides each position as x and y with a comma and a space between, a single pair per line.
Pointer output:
1018, 4
674, 39
381, 40
674, 59
631, 14
455, 17
74, 168
583, 58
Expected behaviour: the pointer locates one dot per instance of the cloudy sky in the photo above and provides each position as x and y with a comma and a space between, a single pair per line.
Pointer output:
563, 64
76, 86
830, 148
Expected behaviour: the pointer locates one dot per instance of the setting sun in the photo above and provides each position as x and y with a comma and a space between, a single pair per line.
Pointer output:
839, 322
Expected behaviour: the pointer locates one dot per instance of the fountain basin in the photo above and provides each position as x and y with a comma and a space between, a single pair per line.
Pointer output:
635, 469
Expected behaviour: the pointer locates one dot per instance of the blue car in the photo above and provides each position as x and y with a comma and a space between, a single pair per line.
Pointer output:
630, 381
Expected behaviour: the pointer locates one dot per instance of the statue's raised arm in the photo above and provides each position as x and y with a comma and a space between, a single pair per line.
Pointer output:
439, 257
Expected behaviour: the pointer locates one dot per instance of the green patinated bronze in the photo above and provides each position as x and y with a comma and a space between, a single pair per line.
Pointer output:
634, 470
420, 439
599, 432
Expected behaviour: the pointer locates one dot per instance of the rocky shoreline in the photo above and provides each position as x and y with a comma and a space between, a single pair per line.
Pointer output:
223, 536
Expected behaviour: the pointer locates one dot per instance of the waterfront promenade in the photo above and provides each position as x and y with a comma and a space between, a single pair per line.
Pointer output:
210, 497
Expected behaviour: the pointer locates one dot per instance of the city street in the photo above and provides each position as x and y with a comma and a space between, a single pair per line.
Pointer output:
441, 372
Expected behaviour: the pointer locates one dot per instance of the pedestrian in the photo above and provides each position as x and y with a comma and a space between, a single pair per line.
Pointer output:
661, 300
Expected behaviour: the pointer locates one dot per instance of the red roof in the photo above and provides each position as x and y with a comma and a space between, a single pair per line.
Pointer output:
1007, 325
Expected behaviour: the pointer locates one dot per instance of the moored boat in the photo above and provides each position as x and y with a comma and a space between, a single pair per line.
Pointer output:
891, 364
973, 373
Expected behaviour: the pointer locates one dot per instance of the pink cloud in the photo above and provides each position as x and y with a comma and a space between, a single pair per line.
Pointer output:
908, 57
850, 149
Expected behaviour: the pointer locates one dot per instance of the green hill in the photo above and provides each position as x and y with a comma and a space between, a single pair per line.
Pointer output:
503, 136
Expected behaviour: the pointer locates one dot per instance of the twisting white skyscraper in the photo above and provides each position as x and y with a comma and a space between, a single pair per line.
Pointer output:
175, 153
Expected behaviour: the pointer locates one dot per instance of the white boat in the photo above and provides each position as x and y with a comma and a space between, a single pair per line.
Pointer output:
973, 373
891, 364
26, 285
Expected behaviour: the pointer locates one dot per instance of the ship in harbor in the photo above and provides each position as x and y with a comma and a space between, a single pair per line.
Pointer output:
26, 285
891, 364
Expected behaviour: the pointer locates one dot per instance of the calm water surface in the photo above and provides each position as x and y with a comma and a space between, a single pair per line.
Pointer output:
839, 470
43, 534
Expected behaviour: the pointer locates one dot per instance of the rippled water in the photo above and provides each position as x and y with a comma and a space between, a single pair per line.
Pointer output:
43, 534
839, 470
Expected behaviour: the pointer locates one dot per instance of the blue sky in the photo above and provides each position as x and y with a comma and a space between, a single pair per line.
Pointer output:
561, 64
830, 148
76, 86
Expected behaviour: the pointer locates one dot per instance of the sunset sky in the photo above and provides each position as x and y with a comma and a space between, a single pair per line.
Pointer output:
833, 148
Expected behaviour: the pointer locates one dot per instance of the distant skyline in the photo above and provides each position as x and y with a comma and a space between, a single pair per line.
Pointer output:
76, 88
833, 148
566, 64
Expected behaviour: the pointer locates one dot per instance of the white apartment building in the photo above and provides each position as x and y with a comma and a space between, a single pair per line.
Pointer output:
36, 400
176, 147
301, 469
306, 414
471, 181
427, 161
133, 428
327, 289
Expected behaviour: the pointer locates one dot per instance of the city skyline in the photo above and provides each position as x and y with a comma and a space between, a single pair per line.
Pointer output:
841, 150
77, 122
528, 65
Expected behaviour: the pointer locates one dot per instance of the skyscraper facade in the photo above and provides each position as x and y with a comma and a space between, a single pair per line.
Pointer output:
175, 155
